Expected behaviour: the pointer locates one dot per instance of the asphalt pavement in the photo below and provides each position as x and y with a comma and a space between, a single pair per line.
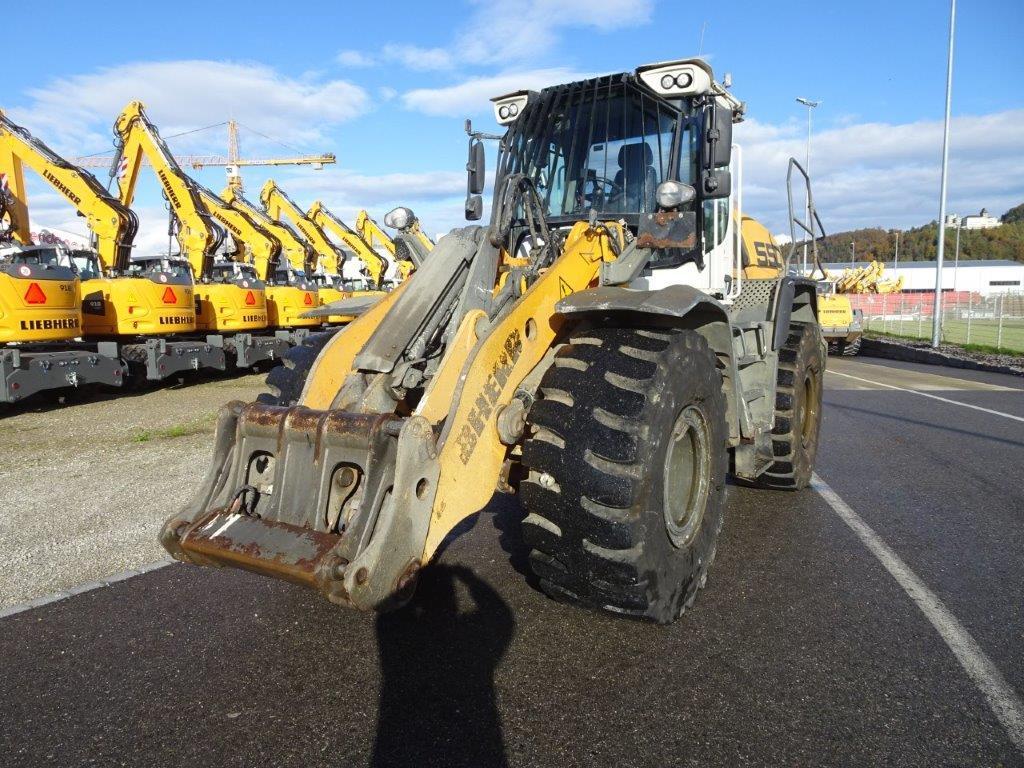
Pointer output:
802, 650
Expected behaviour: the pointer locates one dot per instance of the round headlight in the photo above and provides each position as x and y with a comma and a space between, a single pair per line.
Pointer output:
399, 218
667, 82
513, 110
24, 271
683, 80
503, 111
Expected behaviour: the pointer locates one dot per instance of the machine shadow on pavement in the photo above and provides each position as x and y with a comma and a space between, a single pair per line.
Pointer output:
438, 656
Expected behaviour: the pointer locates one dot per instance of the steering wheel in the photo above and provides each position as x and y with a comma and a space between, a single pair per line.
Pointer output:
604, 189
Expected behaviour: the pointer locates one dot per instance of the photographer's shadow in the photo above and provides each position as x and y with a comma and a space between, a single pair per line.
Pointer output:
437, 702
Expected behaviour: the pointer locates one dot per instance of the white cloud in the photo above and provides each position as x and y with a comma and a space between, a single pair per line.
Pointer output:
880, 174
75, 113
521, 30
415, 57
471, 96
354, 59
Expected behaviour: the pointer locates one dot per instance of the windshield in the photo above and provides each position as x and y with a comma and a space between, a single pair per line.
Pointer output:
602, 145
153, 266
85, 264
44, 257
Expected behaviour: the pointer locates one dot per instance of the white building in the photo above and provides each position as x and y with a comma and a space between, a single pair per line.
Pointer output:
980, 221
980, 276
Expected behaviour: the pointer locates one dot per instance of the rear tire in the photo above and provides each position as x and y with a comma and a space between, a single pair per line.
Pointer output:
287, 380
798, 395
627, 420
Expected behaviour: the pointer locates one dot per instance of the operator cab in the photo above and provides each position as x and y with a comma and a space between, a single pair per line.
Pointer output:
287, 275
162, 269
626, 147
46, 256
236, 273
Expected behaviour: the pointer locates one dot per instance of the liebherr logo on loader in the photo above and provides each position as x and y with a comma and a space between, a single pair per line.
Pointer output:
488, 397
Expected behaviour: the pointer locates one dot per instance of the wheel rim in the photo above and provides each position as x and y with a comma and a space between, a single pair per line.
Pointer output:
809, 428
687, 476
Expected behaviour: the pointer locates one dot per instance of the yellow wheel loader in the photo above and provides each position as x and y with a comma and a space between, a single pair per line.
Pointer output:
598, 348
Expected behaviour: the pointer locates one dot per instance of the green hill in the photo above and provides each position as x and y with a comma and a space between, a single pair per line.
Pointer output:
918, 244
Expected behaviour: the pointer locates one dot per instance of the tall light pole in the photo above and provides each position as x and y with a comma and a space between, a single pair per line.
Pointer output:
896, 260
807, 164
941, 245
853, 254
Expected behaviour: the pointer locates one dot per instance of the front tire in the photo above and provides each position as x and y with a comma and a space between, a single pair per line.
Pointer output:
626, 464
287, 380
798, 407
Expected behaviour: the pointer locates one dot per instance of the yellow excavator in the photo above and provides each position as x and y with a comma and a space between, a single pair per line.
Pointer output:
231, 306
408, 252
125, 315
329, 260
290, 291
374, 264
599, 347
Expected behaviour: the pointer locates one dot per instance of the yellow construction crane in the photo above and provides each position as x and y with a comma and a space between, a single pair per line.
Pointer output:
232, 161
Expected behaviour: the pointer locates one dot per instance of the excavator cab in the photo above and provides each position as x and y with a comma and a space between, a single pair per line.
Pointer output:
38, 294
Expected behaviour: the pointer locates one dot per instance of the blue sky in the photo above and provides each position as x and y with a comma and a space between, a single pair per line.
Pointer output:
387, 86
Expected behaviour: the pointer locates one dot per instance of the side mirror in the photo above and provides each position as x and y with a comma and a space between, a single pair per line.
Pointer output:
717, 137
716, 183
475, 167
474, 207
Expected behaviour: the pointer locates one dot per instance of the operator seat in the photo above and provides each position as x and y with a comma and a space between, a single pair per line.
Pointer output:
636, 178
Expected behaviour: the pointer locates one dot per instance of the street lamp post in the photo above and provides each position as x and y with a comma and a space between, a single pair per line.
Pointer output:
853, 255
807, 165
941, 245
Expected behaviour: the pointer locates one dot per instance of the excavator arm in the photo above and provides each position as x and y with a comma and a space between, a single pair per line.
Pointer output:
296, 251
375, 264
113, 224
253, 244
372, 234
277, 204
198, 234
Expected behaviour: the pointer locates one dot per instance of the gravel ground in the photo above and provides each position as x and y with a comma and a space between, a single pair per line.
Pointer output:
85, 488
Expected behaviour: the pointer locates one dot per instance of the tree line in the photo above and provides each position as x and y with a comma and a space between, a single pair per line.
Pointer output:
918, 244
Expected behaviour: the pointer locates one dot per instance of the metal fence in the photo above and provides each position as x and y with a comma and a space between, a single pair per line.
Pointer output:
995, 321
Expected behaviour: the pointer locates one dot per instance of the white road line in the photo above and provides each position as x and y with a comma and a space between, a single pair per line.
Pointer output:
86, 587
933, 397
1002, 699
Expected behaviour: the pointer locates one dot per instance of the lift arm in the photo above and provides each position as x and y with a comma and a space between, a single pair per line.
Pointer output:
114, 225
297, 251
253, 243
277, 204
198, 235
375, 264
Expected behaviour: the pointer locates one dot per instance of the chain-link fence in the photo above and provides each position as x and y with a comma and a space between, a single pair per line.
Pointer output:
995, 321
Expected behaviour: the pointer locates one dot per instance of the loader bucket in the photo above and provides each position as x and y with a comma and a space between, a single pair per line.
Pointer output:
332, 500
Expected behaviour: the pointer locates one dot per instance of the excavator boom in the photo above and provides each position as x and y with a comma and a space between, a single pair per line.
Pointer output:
375, 264
113, 224
277, 204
